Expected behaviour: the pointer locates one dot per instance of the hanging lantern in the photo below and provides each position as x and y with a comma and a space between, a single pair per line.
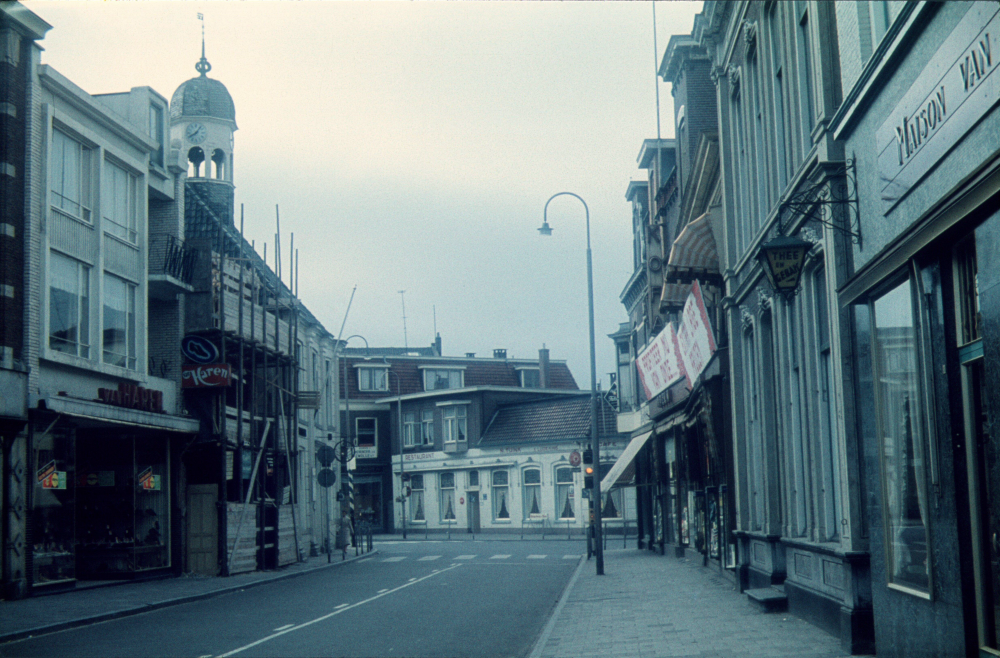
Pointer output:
782, 259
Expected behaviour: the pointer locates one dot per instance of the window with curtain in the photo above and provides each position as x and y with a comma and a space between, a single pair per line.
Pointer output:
565, 508
69, 171
442, 379
446, 503
455, 423
69, 305
531, 491
373, 379
903, 439
119, 204
119, 322
410, 429
417, 497
427, 427
501, 486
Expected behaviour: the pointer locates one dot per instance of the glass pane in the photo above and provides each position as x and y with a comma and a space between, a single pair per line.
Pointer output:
564, 475
447, 480
115, 321
64, 306
533, 476
417, 481
499, 478
904, 484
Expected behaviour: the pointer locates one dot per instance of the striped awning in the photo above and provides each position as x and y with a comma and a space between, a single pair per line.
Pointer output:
693, 253
674, 294
631, 450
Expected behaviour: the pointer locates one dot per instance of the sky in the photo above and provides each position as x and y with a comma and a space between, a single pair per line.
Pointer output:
413, 146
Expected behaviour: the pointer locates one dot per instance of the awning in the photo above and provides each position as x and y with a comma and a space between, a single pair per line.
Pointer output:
100, 413
631, 450
674, 295
693, 253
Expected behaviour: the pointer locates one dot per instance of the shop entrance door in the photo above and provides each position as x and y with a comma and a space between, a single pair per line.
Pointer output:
473, 511
202, 529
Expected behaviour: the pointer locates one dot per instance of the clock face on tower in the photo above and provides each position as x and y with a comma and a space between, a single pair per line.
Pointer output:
196, 133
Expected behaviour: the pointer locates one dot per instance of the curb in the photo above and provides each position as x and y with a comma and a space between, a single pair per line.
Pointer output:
536, 651
166, 603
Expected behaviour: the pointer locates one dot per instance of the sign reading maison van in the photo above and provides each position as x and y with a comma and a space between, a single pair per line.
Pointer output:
951, 94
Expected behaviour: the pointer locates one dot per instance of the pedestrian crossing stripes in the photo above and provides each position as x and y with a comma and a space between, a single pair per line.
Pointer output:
428, 558
500, 557
398, 558
537, 557
465, 557
571, 557
473, 556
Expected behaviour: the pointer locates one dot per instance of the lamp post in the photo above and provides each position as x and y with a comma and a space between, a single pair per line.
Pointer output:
402, 485
344, 441
595, 444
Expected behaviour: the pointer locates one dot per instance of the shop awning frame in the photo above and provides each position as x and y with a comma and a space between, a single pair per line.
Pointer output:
694, 254
103, 413
631, 450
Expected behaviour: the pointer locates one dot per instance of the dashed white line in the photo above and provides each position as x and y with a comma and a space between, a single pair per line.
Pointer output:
571, 557
428, 558
537, 557
382, 591
281, 628
343, 607
465, 557
398, 558
500, 557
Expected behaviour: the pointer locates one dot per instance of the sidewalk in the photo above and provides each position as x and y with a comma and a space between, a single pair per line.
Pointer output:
88, 605
647, 605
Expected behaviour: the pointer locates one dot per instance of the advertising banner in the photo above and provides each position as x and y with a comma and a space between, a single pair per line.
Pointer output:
206, 376
660, 363
694, 338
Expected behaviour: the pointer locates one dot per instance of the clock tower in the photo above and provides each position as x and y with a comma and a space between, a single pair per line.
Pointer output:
202, 123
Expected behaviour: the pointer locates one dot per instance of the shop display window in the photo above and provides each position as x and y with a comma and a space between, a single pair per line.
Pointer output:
123, 512
52, 510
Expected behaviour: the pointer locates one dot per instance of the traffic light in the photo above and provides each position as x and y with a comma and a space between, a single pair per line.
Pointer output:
588, 469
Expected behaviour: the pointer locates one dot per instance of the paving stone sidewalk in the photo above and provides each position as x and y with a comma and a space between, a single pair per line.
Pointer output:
90, 604
647, 606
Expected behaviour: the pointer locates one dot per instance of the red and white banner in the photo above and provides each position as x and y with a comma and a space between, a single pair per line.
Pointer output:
694, 338
660, 363
209, 376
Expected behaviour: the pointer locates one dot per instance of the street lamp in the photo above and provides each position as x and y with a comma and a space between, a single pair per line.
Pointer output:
595, 445
344, 472
402, 484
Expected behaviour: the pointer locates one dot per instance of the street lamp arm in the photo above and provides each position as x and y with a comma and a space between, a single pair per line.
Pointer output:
546, 230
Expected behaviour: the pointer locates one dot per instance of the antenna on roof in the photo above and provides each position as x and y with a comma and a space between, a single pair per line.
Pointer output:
402, 298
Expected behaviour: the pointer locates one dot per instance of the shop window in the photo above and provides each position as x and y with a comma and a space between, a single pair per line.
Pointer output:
69, 305
903, 449
417, 498
565, 503
410, 429
70, 175
531, 490
119, 322
455, 423
119, 202
501, 486
446, 491
53, 506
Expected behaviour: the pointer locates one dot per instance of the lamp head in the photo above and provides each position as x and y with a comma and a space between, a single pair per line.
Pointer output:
545, 229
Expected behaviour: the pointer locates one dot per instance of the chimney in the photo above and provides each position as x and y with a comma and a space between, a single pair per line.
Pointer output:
437, 344
471, 355
543, 367
499, 353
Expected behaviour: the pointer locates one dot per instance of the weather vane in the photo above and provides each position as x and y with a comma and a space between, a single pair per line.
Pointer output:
202, 66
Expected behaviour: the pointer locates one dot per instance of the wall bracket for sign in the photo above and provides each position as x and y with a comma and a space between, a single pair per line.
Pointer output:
839, 189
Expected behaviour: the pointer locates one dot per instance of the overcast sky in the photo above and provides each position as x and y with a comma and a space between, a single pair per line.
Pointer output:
412, 146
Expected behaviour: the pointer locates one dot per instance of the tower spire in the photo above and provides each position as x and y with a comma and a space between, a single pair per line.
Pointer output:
202, 66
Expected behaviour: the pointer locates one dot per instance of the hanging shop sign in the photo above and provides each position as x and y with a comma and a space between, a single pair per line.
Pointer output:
694, 338
366, 452
199, 349
148, 481
132, 396
206, 376
660, 365
953, 92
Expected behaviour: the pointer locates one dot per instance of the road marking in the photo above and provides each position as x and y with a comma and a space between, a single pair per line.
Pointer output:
339, 609
499, 557
428, 558
398, 558
281, 628
382, 591
571, 557
537, 557
465, 557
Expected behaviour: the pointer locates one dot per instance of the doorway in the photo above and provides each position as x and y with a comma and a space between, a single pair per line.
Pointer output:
473, 511
202, 529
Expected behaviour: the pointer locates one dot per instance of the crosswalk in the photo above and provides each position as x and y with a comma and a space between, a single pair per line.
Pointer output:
471, 557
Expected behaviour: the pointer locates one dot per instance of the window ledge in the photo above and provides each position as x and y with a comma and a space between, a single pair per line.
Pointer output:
503, 521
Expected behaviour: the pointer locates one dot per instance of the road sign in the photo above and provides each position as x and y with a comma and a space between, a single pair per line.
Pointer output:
326, 477
326, 455
199, 349
574, 458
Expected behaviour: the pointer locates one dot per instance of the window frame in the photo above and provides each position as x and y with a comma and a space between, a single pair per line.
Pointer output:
446, 495
417, 498
131, 339
455, 417
531, 488
410, 429
125, 228
434, 371
568, 486
496, 489
58, 199
427, 427
369, 380
82, 345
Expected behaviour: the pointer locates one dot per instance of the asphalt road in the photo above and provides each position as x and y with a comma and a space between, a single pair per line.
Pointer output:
413, 599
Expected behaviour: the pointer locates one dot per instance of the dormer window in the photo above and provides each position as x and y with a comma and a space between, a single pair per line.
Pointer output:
436, 379
529, 377
373, 378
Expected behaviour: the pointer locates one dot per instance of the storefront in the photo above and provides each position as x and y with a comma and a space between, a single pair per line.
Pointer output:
103, 491
925, 300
